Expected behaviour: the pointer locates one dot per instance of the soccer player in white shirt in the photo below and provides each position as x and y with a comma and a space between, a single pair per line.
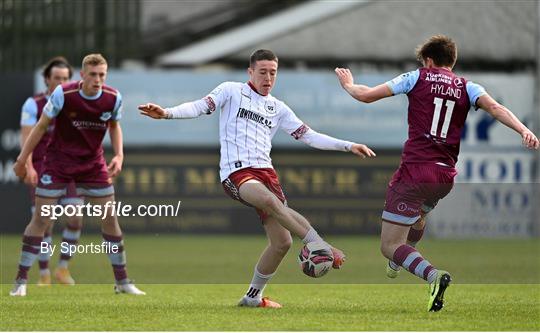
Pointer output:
249, 119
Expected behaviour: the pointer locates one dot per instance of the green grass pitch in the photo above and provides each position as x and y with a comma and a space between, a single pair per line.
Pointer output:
194, 282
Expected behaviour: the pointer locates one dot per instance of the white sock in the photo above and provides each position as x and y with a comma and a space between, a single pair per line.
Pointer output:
312, 236
256, 288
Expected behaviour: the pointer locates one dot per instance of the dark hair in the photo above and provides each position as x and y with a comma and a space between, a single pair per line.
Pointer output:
261, 55
440, 48
59, 62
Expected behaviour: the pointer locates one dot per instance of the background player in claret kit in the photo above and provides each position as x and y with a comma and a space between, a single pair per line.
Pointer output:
249, 119
57, 71
83, 111
439, 102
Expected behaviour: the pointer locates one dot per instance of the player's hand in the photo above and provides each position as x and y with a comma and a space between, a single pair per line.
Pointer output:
20, 169
31, 176
345, 77
115, 166
529, 139
153, 111
362, 150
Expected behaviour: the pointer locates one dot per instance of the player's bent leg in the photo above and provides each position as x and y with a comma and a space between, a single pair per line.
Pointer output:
32, 244
409, 258
279, 243
257, 195
112, 234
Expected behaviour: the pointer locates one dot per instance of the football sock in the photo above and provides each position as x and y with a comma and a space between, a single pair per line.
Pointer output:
44, 256
30, 250
410, 259
71, 236
413, 238
312, 236
118, 260
258, 282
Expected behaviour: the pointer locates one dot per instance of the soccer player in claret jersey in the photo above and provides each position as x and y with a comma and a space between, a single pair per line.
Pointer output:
439, 102
57, 71
83, 111
249, 119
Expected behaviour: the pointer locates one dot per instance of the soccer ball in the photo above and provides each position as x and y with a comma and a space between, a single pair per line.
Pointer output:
316, 259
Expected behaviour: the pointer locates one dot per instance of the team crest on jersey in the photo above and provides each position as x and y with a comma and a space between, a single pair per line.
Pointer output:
458, 83
270, 109
106, 116
46, 179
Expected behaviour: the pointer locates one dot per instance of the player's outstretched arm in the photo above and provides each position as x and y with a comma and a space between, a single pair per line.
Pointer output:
325, 142
183, 111
361, 92
505, 116
31, 142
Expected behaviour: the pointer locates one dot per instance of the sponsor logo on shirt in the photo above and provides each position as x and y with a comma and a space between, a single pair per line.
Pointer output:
250, 115
85, 124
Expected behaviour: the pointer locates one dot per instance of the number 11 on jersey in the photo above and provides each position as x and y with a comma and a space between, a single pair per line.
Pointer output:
437, 115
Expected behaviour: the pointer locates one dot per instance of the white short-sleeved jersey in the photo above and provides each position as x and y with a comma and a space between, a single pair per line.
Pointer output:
248, 122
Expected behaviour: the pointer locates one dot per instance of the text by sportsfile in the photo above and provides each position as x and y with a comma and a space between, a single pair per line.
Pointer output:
71, 249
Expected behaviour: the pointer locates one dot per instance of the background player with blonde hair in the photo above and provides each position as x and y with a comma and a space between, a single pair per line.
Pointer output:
83, 112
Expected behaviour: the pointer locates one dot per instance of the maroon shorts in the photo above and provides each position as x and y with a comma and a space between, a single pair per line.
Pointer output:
90, 178
70, 197
267, 176
416, 188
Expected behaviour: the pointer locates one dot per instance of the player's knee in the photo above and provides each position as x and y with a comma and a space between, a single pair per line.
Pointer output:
272, 204
283, 245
